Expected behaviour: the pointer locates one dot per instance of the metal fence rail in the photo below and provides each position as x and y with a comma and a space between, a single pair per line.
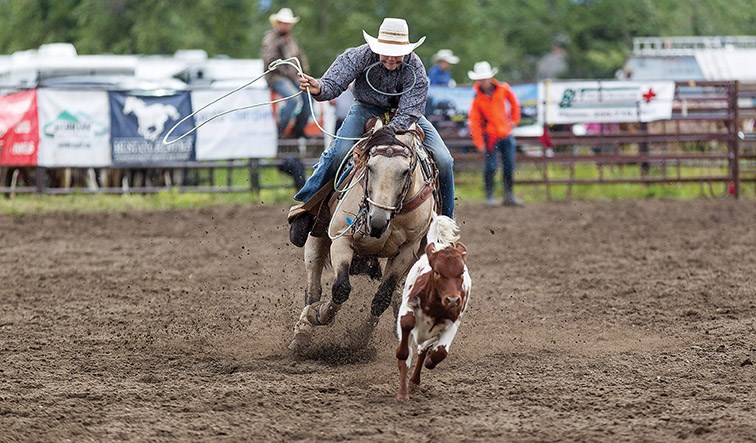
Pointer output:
707, 130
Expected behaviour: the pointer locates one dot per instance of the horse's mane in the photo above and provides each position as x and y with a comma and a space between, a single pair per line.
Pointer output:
385, 137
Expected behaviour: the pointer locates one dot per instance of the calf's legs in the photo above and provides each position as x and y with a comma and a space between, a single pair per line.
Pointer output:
407, 323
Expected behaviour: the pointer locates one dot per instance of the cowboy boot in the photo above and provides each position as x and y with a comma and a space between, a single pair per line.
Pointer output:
509, 197
511, 200
301, 223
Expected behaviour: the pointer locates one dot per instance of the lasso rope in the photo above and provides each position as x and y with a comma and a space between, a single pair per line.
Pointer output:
293, 61
367, 78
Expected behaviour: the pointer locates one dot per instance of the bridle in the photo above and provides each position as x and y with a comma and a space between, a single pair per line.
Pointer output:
393, 151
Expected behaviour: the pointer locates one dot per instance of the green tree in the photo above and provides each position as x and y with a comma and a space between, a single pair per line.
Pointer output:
511, 34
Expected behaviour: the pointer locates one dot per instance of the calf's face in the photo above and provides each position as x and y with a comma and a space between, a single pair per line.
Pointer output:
448, 266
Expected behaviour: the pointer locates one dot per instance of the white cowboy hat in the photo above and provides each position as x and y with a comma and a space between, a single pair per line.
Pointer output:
482, 71
446, 55
393, 38
285, 15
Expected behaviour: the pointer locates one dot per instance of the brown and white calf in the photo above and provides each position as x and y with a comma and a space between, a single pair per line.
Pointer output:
435, 297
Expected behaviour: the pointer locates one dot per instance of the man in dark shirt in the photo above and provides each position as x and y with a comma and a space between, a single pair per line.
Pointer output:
278, 43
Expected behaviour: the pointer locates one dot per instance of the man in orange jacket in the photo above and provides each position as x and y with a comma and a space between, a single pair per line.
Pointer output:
494, 114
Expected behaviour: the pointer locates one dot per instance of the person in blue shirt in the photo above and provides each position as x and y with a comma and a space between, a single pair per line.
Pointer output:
439, 74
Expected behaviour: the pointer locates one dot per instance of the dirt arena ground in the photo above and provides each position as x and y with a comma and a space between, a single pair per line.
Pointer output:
589, 321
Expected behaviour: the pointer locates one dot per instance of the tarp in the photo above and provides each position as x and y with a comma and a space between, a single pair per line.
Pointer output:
74, 128
244, 133
19, 133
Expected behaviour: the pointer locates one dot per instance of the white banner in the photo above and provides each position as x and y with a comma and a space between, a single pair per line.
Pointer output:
248, 133
608, 101
74, 128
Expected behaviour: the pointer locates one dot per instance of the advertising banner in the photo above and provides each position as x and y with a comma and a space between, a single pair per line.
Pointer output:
74, 128
242, 133
19, 135
139, 123
530, 96
608, 101
447, 109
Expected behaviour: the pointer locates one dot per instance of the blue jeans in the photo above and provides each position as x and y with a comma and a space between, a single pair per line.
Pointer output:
507, 147
354, 126
286, 87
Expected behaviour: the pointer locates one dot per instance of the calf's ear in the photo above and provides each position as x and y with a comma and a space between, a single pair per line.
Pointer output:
461, 248
430, 251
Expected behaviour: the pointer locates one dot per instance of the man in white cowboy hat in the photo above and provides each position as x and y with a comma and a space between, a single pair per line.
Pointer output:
388, 77
439, 73
279, 43
494, 114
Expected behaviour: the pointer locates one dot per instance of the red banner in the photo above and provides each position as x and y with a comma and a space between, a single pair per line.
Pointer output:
19, 129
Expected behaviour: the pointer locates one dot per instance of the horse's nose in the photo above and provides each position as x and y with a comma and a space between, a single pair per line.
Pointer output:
378, 224
377, 228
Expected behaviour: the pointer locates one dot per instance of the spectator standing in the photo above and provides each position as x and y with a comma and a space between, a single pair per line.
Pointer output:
494, 114
279, 43
439, 74
388, 78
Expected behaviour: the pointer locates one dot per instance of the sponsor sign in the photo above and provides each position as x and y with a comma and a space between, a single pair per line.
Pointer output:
448, 109
530, 96
242, 133
139, 123
19, 137
608, 102
74, 128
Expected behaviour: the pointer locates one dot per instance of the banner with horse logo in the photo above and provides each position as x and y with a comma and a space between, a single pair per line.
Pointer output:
74, 128
139, 124
19, 135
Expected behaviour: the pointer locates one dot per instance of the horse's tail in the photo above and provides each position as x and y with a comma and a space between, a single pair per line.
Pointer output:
443, 231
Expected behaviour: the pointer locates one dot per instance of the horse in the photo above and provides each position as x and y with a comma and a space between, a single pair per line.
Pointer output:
389, 219
152, 118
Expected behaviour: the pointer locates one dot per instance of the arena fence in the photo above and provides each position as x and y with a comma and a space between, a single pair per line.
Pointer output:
708, 140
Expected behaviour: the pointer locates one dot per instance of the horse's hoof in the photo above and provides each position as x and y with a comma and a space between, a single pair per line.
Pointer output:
320, 313
305, 322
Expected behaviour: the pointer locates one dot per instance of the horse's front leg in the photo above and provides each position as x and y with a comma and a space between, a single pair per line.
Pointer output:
323, 312
315, 255
396, 268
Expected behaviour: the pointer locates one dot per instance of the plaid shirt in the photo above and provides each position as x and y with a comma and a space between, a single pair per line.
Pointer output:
351, 66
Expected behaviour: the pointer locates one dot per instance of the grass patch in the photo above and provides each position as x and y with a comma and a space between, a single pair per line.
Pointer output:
469, 187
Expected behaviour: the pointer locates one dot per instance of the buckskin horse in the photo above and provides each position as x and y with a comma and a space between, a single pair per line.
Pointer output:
384, 213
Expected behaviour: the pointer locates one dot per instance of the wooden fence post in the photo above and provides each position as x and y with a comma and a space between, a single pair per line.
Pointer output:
254, 175
733, 143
